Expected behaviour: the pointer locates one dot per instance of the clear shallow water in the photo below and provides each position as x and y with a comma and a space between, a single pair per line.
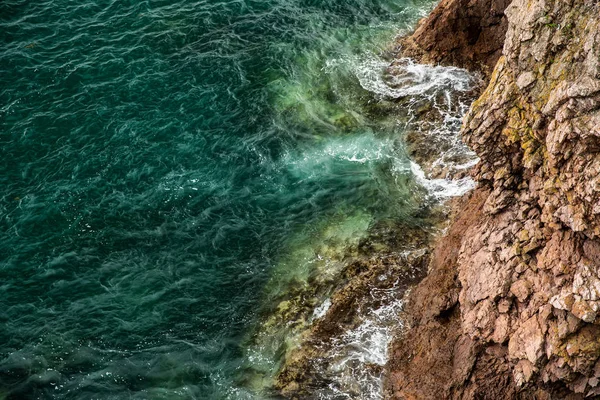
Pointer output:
163, 163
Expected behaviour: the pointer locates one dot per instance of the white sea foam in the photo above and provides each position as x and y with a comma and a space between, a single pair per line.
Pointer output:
322, 309
442, 188
359, 354
408, 78
320, 159
443, 88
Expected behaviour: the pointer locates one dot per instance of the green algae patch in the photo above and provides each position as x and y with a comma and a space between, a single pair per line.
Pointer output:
300, 281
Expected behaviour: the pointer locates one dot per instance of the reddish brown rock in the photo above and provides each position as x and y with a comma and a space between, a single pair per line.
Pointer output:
463, 33
521, 293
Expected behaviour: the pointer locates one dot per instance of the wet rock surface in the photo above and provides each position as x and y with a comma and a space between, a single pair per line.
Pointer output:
432, 118
510, 308
368, 285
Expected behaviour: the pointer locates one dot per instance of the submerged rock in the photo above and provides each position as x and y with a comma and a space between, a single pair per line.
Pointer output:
311, 366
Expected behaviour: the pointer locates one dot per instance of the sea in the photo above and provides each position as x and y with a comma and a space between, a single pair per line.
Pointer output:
169, 167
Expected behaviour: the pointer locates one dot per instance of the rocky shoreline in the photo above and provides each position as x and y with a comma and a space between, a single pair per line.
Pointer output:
509, 307
375, 276
334, 332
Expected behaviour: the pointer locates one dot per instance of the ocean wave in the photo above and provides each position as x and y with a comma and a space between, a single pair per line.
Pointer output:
443, 188
408, 78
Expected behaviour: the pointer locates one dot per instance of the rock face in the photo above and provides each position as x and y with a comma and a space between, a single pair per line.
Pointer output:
463, 33
510, 308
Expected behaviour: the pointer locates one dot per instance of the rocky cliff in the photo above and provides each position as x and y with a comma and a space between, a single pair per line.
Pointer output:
510, 306
462, 33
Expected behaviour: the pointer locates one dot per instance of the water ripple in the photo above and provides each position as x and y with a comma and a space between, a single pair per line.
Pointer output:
156, 159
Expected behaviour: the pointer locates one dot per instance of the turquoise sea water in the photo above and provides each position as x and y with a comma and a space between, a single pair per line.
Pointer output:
164, 163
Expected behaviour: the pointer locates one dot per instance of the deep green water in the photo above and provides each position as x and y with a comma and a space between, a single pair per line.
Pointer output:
162, 164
